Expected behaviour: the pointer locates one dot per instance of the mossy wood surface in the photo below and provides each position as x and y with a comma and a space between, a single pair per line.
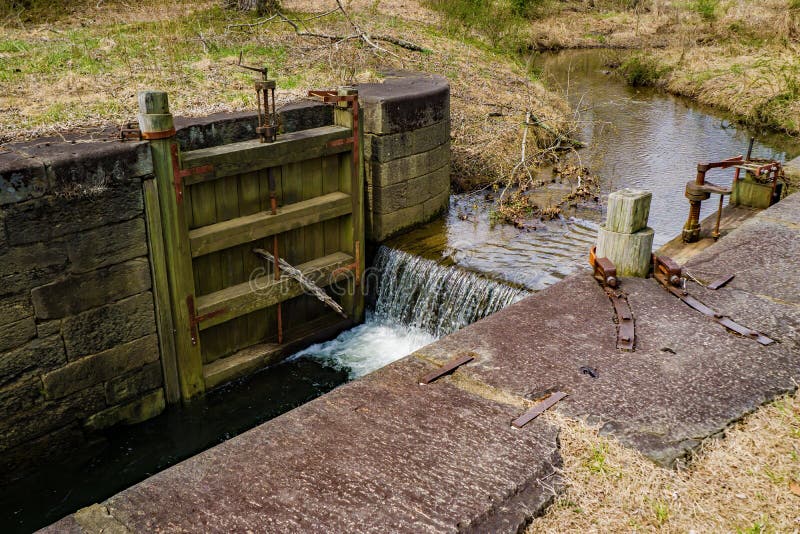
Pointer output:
225, 213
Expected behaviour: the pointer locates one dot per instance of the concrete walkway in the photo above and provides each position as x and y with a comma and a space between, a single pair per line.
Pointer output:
385, 454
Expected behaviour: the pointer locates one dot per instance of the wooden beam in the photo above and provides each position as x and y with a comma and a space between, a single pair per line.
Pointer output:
253, 155
155, 118
256, 357
265, 291
226, 234
163, 308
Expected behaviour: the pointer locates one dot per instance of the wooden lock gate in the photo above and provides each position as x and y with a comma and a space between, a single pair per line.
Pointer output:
222, 312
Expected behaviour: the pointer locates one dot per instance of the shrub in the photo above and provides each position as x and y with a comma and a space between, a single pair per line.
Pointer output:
642, 70
707, 9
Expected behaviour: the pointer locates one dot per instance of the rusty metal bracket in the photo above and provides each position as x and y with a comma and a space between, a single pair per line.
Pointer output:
130, 131
153, 136
195, 320
606, 273
604, 269
179, 174
332, 97
354, 267
340, 142
448, 367
626, 332
538, 409
666, 279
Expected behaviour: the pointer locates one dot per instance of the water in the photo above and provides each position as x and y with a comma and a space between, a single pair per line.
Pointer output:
639, 138
417, 300
124, 456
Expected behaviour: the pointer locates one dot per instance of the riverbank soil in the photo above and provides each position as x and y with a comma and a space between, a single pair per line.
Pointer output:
741, 56
81, 66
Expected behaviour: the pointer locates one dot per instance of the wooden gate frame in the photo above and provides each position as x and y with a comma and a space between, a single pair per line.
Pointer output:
181, 315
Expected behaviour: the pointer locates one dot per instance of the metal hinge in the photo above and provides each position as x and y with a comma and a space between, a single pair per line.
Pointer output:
179, 174
606, 273
670, 275
354, 267
195, 320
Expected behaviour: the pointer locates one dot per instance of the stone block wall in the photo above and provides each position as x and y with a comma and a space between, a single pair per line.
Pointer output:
78, 343
406, 151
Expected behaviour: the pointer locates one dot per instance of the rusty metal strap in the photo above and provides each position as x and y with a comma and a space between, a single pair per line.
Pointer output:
538, 409
722, 319
718, 283
152, 136
626, 335
449, 367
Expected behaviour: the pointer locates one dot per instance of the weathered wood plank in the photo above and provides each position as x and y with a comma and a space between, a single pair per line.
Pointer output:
207, 272
258, 326
158, 266
176, 241
264, 291
330, 184
247, 156
226, 191
249, 228
256, 357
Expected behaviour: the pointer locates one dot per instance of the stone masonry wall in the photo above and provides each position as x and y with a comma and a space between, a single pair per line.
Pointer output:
78, 343
406, 151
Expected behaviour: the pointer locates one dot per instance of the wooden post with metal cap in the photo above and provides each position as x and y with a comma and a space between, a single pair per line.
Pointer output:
157, 126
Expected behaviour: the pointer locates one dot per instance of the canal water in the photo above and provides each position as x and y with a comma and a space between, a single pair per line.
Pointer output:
426, 284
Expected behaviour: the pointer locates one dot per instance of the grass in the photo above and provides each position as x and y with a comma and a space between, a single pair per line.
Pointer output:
746, 481
741, 56
642, 70
97, 55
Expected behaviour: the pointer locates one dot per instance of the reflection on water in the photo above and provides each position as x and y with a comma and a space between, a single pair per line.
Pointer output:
635, 138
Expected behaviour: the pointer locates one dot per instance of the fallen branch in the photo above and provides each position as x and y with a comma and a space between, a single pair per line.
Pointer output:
307, 284
359, 33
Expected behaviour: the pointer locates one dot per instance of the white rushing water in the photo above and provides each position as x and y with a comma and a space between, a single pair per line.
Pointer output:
417, 301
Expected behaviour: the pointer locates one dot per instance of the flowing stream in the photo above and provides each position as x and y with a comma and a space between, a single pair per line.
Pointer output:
417, 300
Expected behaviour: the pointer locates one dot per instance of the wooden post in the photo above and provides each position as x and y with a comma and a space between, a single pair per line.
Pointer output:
161, 294
353, 300
625, 239
155, 122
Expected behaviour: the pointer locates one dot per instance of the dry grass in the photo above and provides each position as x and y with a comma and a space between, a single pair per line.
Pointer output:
748, 481
85, 70
742, 56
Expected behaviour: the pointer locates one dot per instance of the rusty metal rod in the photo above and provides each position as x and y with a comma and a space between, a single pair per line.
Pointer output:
273, 204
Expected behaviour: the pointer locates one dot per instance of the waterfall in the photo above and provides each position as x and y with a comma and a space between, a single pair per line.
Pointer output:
417, 301
412, 291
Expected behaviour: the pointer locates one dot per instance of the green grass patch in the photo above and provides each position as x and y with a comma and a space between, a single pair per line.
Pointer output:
500, 24
641, 70
707, 9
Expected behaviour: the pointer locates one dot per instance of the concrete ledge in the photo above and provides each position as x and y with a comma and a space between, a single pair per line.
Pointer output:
31, 169
382, 454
